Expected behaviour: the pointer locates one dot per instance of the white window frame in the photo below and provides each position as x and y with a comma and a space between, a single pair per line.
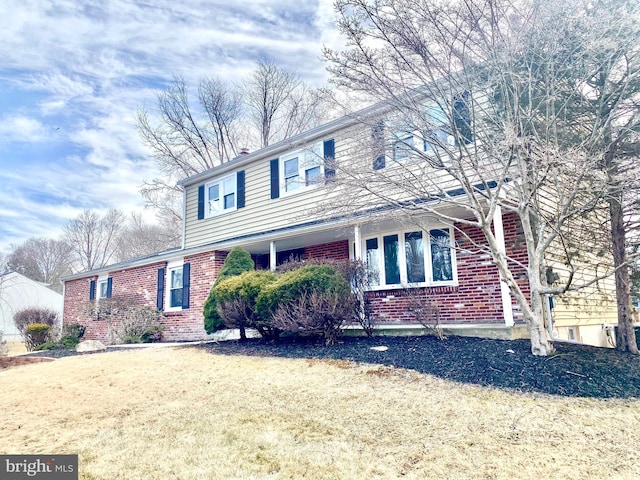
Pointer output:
402, 259
103, 280
172, 266
309, 158
227, 185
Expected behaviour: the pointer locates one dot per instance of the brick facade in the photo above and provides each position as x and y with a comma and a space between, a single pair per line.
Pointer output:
140, 285
476, 299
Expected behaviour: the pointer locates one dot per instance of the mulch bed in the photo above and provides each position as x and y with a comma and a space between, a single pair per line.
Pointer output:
573, 370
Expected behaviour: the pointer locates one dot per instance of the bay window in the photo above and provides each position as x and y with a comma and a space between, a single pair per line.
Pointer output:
406, 258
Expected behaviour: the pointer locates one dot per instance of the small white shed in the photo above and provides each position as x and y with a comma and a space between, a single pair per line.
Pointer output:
18, 292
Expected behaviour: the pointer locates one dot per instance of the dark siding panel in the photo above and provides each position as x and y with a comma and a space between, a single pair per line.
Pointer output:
109, 287
92, 289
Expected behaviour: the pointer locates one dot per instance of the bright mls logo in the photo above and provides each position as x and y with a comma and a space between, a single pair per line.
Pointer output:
49, 467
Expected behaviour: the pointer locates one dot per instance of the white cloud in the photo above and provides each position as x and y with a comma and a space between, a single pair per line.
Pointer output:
21, 128
80, 69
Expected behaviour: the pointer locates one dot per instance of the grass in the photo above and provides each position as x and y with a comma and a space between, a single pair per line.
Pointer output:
183, 413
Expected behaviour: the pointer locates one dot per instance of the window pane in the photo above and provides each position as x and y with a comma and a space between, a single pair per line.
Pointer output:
176, 278
229, 185
441, 256
312, 175
391, 264
291, 183
403, 148
176, 297
291, 167
373, 262
414, 252
230, 201
214, 192
102, 289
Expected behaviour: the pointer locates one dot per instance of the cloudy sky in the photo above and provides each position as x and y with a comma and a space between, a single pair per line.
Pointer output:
74, 72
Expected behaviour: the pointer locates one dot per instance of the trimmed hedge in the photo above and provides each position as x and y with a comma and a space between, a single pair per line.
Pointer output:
293, 284
236, 298
238, 261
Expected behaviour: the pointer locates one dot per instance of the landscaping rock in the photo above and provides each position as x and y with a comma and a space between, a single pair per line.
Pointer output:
90, 346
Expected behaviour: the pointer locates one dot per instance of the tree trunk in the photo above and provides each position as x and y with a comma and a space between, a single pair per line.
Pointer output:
625, 336
540, 344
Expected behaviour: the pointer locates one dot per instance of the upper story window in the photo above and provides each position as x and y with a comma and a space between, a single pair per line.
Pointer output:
414, 258
302, 169
221, 195
403, 148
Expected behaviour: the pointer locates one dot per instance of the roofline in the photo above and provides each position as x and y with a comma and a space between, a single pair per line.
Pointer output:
283, 145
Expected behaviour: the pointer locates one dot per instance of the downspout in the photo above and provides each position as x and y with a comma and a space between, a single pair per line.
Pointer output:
184, 217
552, 336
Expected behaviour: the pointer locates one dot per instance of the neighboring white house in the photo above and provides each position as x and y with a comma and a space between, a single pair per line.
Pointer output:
18, 292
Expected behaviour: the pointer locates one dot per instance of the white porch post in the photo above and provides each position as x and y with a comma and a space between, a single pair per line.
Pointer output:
358, 240
272, 256
498, 228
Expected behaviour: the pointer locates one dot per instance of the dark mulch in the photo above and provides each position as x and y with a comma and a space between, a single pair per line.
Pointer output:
574, 370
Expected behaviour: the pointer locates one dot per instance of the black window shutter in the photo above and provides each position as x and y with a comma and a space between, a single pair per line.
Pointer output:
160, 295
329, 158
462, 118
275, 178
240, 188
186, 285
200, 202
377, 138
92, 289
109, 287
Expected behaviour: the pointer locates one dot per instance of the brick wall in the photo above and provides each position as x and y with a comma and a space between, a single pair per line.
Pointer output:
140, 285
476, 299
334, 250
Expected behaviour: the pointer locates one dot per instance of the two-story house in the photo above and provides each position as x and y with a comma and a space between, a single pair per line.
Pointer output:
275, 203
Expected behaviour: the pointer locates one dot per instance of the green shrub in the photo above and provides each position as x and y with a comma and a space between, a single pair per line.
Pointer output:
238, 261
236, 300
293, 284
312, 300
36, 334
71, 335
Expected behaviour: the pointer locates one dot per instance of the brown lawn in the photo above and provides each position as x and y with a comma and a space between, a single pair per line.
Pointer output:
181, 413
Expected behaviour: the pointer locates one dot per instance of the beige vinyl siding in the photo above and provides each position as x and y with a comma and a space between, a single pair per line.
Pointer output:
261, 213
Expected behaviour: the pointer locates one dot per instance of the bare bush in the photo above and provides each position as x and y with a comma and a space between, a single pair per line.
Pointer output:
137, 324
317, 313
129, 322
424, 312
355, 272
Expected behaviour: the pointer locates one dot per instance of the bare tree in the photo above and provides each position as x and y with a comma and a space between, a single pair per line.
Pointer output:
43, 260
94, 239
478, 116
140, 238
280, 104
